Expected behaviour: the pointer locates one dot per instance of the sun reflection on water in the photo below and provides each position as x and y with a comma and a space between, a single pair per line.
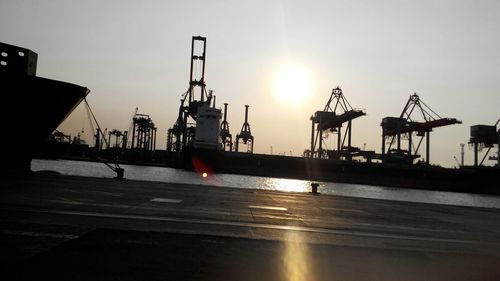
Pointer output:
288, 185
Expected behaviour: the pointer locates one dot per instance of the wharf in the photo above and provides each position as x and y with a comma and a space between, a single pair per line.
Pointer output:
81, 228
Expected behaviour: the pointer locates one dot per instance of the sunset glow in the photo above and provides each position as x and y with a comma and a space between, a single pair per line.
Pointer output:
293, 85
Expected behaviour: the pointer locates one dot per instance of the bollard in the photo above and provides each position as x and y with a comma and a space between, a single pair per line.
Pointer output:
119, 173
314, 188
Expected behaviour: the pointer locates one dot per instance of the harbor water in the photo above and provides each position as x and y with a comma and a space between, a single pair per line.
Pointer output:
161, 174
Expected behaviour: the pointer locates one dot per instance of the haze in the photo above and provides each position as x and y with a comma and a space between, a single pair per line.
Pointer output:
136, 54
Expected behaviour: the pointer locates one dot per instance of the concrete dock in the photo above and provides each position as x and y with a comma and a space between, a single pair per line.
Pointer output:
79, 228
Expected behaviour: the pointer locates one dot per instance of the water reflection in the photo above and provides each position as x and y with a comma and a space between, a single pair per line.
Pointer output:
290, 185
296, 258
252, 182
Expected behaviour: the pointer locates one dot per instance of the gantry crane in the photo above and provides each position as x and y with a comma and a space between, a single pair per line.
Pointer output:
225, 135
119, 137
127, 141
404, 127
482, 136
245, 136
143, 133
182, 132
337, 111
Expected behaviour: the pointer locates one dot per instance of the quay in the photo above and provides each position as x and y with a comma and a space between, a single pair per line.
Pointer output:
62, 227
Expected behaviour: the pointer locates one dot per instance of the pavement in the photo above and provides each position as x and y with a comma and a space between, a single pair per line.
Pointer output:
80, 228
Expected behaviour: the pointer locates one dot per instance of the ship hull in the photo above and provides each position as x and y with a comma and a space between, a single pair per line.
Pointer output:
33, 107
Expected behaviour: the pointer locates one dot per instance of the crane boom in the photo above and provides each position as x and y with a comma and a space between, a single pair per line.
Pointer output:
131, 125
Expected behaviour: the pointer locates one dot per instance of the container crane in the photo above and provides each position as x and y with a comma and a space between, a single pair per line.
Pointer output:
396, 129
332, 118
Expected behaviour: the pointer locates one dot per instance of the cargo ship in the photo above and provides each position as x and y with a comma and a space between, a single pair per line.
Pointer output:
33, 107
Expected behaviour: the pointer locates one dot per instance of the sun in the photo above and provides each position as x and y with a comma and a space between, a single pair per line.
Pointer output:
293, 84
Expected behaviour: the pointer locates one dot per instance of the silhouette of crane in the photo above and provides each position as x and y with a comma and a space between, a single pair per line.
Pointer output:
405, 126
245, 135
130, 127
337, 111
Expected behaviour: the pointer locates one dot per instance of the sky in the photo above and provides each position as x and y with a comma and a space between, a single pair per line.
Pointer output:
137, 54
